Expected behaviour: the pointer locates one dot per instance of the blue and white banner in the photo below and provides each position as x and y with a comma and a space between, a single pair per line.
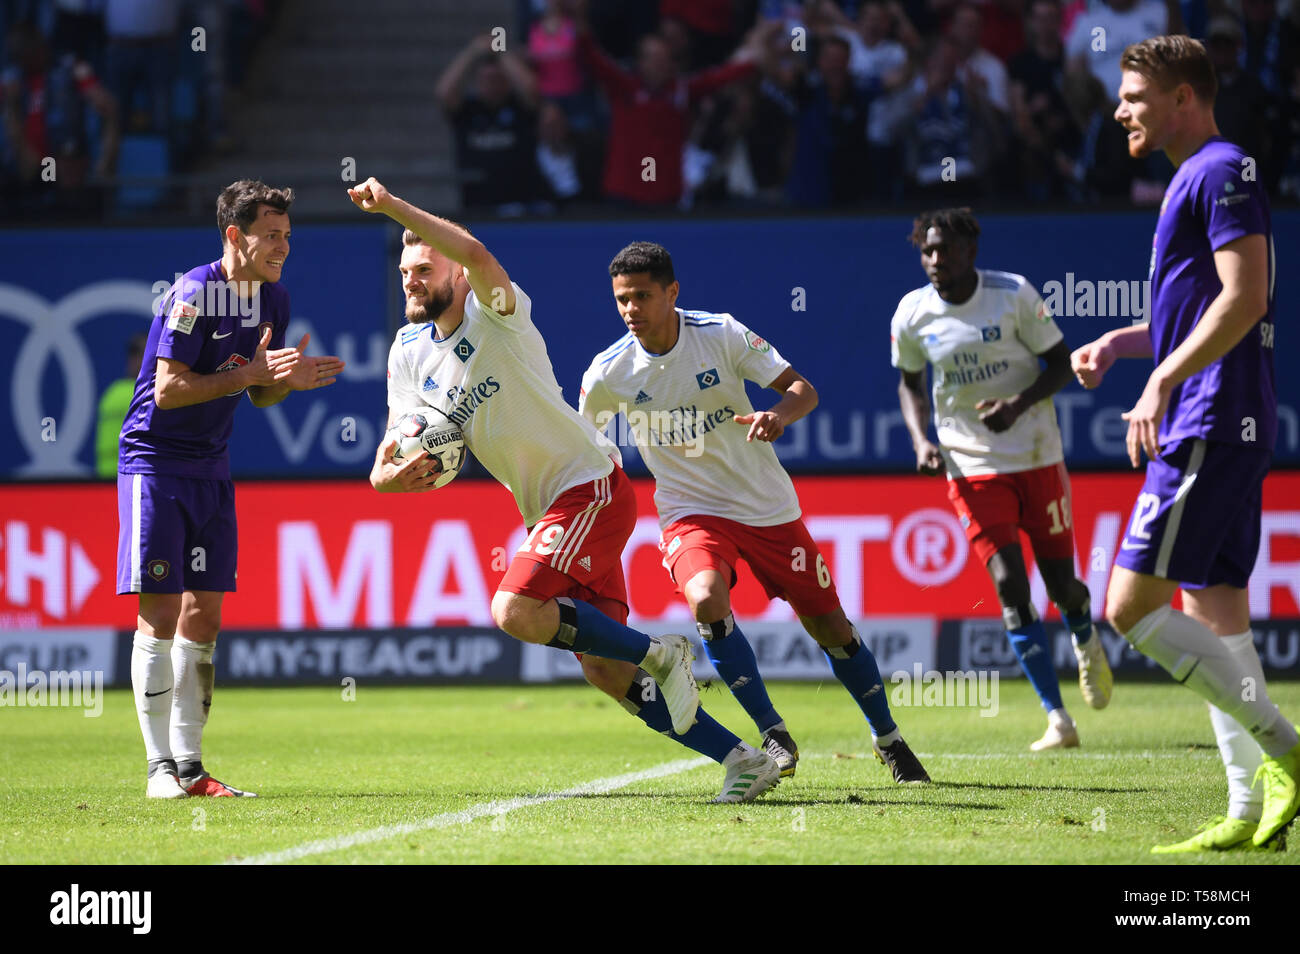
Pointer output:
821, 290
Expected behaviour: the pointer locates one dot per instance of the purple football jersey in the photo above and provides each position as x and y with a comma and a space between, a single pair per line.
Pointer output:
202, 322
1213, 199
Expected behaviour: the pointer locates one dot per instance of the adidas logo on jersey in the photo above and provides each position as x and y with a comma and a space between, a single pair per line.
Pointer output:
429, 385
642, 397
585, 563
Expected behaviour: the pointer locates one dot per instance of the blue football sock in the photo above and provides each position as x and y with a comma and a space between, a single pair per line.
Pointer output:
854, 666
1080, 623
1029, 641
707, 736
585, 629
733, 657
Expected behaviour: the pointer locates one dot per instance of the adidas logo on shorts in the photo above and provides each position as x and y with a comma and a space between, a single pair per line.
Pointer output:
585, 563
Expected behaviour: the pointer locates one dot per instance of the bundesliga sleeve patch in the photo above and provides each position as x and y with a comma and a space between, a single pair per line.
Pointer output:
182, 317
1044, 313
756, 343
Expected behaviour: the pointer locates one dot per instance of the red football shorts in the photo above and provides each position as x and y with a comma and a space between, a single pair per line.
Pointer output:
784, 558
994, 508
576, 548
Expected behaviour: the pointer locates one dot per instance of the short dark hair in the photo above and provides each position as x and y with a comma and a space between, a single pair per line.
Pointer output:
1170, 61
644, 257
960, 222
414, 238
238, 202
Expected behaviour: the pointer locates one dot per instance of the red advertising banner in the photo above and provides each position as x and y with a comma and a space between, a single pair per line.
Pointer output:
339, 555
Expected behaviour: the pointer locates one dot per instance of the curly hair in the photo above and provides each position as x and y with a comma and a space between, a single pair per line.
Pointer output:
644, 257
960, 222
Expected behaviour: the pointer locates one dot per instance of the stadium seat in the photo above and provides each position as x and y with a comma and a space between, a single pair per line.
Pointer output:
142, 156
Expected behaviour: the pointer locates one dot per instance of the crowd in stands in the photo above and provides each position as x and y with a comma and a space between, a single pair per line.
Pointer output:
845, 103
113, 88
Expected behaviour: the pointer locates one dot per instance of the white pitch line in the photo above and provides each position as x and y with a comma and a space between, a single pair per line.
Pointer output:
1118, 756
599, 786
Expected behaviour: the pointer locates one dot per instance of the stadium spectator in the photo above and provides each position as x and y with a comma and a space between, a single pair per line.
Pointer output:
957, 132
1100, 165
140, 57
1272, 44
1120, 23
495, 127
877, 57
46, 116
570, 167
976, 66
769, 138
1243, 109
709, 26
650, 112
1002, 30
553, 54
1039, 112
113, 405
618, 26
830, 159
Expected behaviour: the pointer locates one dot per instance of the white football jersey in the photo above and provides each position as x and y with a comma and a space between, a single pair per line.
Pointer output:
493, 377
680, 405
986, 347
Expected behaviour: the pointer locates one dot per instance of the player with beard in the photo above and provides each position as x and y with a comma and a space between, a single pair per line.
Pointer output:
470, 348
1207, 421
218, 332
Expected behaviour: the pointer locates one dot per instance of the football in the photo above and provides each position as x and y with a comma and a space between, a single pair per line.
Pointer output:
443, 441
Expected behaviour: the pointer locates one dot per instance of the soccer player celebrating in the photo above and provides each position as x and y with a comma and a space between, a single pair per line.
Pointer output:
219, 331
679, 378
985, 333
1207, 421
470, 348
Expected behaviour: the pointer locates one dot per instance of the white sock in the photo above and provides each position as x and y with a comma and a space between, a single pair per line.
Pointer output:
1199, 660
193, 672
742, 751
1060, 717
151, 680
889, 738
1241, 754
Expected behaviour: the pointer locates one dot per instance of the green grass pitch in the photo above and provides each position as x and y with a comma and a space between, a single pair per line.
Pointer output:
452, 772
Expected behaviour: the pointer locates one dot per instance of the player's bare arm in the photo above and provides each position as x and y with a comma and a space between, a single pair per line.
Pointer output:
914, 400
484, 273
1000, 414
798, 398
1242, 267
1091, 362
408, 476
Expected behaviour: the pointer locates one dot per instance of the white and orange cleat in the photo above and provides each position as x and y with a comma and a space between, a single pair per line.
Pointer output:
198, 783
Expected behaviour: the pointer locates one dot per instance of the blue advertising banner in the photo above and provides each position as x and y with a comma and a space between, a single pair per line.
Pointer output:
70, 300
821, 290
